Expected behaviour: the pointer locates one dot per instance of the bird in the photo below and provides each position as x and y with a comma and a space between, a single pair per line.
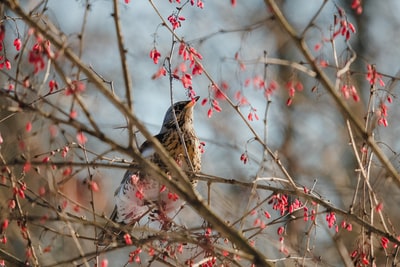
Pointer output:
139, 193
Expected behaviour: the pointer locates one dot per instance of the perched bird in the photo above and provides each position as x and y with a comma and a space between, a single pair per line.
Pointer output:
139, 193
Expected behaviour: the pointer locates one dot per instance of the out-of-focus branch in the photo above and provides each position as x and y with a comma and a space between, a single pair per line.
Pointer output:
11, 258
245, 29
122, 53
82, 32
292, 64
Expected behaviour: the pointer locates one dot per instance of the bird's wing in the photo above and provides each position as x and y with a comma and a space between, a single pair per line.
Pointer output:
134, 168
147, 151
136, 191
148, 146
130, 197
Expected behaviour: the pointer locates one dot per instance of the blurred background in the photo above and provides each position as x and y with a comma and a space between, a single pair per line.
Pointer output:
310, 135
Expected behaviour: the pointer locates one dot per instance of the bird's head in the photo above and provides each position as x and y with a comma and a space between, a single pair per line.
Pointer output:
183, 111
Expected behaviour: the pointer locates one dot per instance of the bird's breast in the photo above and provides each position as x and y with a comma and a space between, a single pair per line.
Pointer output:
177, 151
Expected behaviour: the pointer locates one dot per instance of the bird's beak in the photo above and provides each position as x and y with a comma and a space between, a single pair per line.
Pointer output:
193, 102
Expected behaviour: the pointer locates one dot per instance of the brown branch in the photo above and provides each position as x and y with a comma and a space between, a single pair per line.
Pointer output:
11, 258
125, 70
